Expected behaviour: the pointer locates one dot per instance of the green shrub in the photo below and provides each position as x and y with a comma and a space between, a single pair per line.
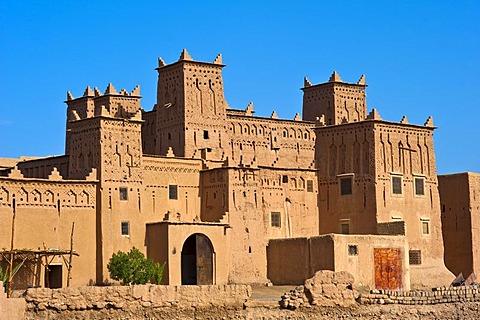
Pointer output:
134, 268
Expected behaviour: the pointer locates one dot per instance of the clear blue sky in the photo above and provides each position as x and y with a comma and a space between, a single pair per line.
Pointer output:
421, 58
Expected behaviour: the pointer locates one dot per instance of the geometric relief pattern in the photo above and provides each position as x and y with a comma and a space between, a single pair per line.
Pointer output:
4, 195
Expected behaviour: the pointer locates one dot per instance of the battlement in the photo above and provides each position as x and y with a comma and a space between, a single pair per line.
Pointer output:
185, 57
337, 101
121, 104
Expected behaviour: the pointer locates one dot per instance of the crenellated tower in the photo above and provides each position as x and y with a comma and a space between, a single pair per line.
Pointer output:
104, 132
191, 108
338, 101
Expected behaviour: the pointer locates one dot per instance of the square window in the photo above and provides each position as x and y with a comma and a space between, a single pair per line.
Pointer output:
425, 227
205, 134
284, 179
123, 193
345, 186
125, 228
415, 257
352, 250
396, 185
345, 228
419, 186
173, 192
276, 219
309, 185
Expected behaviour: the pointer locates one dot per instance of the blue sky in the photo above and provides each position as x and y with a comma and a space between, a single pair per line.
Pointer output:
420, 58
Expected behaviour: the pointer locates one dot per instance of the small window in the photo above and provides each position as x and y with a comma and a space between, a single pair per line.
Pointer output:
123, 193
345, 228
352, 250
125, 228
284, 134
443, 208
419, 186
425, 227
415, 257
173, 192
169, 136
345, 186
276, 219
284, 179
205, 134
309, 185
396, 185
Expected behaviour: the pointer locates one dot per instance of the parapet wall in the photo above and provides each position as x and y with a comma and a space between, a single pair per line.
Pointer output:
90, 302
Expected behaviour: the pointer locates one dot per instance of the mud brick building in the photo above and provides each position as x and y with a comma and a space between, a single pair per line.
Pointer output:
223, 196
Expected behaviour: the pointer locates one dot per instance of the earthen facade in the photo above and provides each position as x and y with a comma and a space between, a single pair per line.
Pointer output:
205, 187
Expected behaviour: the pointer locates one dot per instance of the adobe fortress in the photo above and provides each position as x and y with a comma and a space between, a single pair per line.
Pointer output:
223, 196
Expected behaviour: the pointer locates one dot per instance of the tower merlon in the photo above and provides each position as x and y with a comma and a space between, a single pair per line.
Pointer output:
185, 56
161, 63
110, 89
362, 80
374, 115
97, 91
218, 59
88, 92
249, 109
335, 77
429, 122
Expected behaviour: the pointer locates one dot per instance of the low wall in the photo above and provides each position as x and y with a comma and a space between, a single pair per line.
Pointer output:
11, 308
434, 296
137, 299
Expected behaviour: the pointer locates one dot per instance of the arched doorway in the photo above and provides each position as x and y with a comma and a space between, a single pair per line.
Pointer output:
197, 260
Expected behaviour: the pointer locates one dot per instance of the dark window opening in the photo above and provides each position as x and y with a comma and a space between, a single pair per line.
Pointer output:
397, 185
352, 250
284, 179
173, 192
123, 193
205, 134
309, 185
125, 228
345, 186
419, 186
345, 228
276, 219
53, 276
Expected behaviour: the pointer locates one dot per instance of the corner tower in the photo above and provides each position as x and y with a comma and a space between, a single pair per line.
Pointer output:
337, 101
191, 108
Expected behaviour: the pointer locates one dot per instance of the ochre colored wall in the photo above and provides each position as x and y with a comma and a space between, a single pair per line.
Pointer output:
459, 196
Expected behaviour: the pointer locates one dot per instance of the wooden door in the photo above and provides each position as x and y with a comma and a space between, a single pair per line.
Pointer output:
388, 268
204, 260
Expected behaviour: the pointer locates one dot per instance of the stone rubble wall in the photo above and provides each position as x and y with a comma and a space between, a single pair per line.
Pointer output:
326, 288
435, 296
134, 298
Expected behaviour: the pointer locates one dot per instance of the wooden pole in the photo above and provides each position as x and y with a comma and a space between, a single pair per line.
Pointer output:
12, 254
71, 255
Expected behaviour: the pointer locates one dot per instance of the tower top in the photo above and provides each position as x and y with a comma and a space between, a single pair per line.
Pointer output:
186, 57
